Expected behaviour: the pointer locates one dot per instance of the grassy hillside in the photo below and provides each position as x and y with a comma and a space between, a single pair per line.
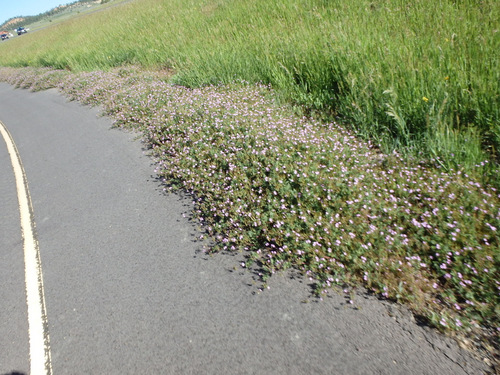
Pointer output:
51, 15
59, 14
421, 76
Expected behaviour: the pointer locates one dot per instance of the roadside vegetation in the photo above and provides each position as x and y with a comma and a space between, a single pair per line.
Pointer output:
421, 77
355, 141
291, 191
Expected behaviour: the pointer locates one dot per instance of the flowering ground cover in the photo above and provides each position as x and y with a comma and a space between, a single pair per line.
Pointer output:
291, 191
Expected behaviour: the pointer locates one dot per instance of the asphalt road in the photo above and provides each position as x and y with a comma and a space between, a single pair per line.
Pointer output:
128, 291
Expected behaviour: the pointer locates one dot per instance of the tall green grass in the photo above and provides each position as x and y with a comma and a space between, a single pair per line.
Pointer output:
419, 76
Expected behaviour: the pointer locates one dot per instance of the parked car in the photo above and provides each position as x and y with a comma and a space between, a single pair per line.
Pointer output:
21, 30
4, 36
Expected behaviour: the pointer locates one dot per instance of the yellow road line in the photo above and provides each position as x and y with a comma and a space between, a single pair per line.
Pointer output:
37, 315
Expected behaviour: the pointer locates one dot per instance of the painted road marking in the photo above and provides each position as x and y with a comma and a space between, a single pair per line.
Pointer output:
37, 316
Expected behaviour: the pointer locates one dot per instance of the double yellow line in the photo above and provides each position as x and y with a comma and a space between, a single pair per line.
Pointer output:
39, 342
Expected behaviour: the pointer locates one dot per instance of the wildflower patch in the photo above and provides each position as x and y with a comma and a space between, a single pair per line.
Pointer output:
294, 192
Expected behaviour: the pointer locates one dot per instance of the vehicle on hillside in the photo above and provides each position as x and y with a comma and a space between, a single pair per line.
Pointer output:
21, 30
4, 36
